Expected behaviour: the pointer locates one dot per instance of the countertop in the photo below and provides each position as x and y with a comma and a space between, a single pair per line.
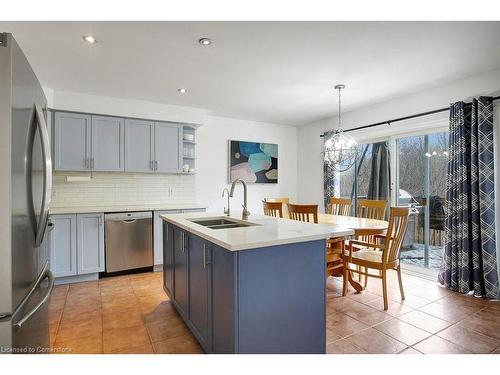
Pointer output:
128, 208
270, 231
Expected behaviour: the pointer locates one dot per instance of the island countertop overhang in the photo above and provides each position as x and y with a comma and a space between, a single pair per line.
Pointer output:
268, 231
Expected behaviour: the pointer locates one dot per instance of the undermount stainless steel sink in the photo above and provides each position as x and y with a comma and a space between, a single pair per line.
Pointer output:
220, 223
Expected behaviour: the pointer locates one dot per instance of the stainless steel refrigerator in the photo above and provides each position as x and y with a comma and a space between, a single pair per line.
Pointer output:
25, 192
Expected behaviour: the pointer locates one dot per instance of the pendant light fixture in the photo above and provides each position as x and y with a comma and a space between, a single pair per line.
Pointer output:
341, 150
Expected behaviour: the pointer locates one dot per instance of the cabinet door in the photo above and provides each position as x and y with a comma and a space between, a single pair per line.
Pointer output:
108, 144
199, 289
168, 258
181, 245
139, 146
168, 146
63, 245
158, 234
72, 142
90, 244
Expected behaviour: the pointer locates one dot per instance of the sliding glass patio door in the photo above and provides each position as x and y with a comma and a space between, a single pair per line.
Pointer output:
421, 168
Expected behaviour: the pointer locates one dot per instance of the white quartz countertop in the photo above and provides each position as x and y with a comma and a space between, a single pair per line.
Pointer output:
270, 231
128, 208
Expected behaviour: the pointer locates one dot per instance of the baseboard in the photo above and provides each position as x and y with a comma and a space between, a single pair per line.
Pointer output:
76, 279
158, 268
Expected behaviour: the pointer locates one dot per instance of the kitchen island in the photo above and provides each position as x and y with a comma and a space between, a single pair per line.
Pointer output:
254, 286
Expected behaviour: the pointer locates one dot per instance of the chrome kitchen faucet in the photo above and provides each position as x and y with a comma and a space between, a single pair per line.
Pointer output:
227, 211
245, 213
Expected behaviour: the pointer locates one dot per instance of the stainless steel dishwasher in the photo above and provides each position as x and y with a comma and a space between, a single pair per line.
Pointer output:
129, 240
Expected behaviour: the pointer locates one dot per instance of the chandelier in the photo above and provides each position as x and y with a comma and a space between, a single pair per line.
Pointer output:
341, 150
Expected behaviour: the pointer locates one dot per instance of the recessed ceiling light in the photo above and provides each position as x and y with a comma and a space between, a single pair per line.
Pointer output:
89, 39
205, 41
181, 91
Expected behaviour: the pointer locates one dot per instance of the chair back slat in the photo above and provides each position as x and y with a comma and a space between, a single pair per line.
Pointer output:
273, 209
372, 209
339, 206
398, 222
284, 201
303, 212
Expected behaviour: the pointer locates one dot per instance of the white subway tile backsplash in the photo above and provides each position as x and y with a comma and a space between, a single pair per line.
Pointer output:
121, 189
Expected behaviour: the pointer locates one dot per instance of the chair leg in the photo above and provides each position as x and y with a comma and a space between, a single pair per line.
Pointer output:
400, 283
366, 277
384, 288
345, 278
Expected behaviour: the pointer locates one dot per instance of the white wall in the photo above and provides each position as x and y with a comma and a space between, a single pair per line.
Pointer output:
310, 145
211, 154
105, 105
213, 158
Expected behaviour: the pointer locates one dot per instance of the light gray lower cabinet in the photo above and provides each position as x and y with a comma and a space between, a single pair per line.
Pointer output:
63, 245
72, 140
77, 244
108, 144
139, 145
90, 243
167, 147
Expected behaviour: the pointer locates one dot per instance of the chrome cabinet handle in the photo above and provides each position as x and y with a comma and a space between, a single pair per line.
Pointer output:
156, 165
86, 162
92, 163
206, 262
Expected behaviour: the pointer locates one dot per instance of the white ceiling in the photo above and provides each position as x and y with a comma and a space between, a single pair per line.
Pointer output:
280, 72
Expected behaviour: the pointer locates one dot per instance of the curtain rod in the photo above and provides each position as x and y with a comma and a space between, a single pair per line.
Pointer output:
389, 122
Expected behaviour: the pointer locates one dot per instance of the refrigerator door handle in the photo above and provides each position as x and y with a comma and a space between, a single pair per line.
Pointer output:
45, 274
38, 121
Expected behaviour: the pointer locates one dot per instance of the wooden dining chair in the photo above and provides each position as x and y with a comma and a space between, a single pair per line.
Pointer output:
339, 206
372, 209
284, 201
380, 255
273, 209
303, 212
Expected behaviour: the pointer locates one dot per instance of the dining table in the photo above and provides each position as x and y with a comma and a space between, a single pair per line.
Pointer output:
360, 226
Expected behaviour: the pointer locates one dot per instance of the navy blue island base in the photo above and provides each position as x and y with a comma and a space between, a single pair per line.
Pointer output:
263, 300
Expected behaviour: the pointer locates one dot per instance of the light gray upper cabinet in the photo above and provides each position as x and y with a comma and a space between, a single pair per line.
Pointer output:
139, 145
167, 147
90, 244
63, 245
83, 142
72, 141
108, 145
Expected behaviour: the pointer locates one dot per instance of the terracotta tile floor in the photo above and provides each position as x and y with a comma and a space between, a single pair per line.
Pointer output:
123, 314
132, 314
431, 320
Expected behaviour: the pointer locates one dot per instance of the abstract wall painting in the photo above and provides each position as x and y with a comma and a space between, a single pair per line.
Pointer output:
253, 162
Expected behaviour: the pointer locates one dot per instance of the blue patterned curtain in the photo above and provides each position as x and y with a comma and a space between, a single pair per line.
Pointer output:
470, 259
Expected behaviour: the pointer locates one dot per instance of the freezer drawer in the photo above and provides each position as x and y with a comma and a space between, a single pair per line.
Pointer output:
129, 241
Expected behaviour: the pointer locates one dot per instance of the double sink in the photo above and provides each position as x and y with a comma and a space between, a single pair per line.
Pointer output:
221, 223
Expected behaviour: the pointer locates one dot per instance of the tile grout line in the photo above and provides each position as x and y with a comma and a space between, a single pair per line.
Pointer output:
145, 325
62, 313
